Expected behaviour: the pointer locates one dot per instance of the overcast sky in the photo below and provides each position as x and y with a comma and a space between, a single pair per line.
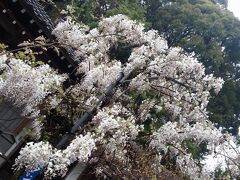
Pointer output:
234, 6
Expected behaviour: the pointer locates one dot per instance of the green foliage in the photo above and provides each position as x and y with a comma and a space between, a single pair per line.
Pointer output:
91, 11
132, 9
194, 149
55, 125
85, 11
225, 108
121, 52
29, 58
2, 46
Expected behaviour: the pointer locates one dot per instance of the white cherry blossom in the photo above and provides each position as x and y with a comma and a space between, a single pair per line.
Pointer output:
178, 85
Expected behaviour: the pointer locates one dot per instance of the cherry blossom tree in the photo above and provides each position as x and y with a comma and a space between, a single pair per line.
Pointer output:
157, 107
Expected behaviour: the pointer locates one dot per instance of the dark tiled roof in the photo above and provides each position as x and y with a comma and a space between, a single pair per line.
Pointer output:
26, 19
37, 12
10, 120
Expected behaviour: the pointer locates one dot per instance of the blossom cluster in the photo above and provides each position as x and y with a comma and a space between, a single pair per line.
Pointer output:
115, 128
25, 86
225, 157
34, 155
55, 162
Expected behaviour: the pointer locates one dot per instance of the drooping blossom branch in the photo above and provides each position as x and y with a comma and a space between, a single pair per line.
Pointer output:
152, 70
